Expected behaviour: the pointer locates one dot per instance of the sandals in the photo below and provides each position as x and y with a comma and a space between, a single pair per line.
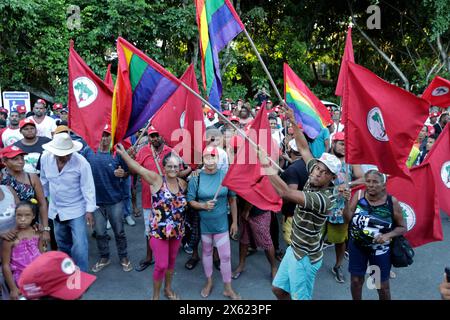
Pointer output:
234, 296
126, 266
100, 265
205, 294
191, 263
144, 265
137, 213
172, 296
236, 275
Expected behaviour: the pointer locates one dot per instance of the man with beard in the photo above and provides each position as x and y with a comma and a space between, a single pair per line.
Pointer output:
11, 134
151, 157
32, 145
45, 125
336, 229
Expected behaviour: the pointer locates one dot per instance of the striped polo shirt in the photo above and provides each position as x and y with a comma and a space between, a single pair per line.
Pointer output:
309, 219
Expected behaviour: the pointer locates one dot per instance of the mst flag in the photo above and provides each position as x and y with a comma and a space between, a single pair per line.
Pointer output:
245, 173
419, 205
439, 160
381, 121
89, 101
348, 56
108, 78
182, 116
438, 92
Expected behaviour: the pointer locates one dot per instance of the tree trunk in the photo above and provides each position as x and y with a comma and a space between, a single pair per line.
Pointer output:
443, 53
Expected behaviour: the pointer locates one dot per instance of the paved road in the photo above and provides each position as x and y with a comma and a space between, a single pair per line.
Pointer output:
417, 282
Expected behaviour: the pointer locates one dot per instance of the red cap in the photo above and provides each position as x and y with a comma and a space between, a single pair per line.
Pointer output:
54, 274
226, 113
152, 129
3, 110
25, 122
11, 151
339, 136
276, 109
107, 128
210, 114
431, 130
435, 114
21, 109
42, 101
234, 118
57, 106
210, 150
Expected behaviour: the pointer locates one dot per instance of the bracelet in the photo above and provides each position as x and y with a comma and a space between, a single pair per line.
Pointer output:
46, 229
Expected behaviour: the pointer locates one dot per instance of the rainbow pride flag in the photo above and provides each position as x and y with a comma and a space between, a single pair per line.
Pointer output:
308, 109
142, 87
218, 23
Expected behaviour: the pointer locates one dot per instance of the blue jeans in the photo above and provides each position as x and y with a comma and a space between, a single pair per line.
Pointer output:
113, 213
126, 189
71, 237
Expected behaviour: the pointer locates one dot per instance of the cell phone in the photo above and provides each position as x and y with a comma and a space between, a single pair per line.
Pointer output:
447, 273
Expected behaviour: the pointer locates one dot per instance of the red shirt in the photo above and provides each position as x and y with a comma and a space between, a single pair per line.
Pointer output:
145, 158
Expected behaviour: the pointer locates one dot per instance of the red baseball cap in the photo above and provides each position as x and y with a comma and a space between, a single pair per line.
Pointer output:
210, 115
25, 122
3, 110
152, 129
226, 113
211, 151
339, 136
234, 118
435, 114
42, 101
21, 109
276, 109
57, 106
107, 128
11, 151
54, 274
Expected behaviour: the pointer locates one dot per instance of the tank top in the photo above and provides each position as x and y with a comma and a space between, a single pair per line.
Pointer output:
368, 221
7, 210
168, 213
24, 191
23, 254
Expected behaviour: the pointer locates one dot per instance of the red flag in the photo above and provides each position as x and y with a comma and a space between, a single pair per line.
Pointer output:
439, 160
182, 116
438, 92
381, 121
108, 78
348, 56
89, 101
245, 175
419, 205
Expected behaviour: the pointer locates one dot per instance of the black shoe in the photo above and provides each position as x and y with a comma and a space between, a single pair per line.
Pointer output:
217, 264
144, 265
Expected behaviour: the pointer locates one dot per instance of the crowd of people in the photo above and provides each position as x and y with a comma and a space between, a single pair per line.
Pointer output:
54, 187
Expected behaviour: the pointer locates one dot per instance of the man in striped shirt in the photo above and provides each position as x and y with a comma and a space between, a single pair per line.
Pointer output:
296, 274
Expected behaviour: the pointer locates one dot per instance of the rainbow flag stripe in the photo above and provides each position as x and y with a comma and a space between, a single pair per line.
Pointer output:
308, 109
218, 24
142, 87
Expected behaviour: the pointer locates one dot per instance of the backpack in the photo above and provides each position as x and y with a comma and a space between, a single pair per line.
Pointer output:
401, 252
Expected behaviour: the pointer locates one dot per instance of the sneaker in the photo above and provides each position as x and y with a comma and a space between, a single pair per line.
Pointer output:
108, 225
338, 274
130, 220
188, 249
346, 255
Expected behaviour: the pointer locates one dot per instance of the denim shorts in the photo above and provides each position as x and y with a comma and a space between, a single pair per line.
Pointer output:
147, 214
296, 276
360, 257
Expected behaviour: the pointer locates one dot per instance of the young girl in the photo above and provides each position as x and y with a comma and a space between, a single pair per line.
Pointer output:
27, 246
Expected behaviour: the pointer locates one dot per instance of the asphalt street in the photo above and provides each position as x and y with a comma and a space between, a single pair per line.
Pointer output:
419, 281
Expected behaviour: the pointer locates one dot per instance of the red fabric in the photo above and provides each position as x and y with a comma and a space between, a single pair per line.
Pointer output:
438, 92
247, 179
168, 121
108, 78
403, 115
419, 194
439, 160
145, 158
88, 121
348, 56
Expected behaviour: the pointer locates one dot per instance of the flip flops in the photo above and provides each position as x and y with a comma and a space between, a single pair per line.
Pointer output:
236, 275
100, 265
172, 296
126, 266
191, 263
144, 265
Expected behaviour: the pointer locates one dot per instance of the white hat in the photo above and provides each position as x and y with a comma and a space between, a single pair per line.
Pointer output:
331, 162
293, 145
62, 145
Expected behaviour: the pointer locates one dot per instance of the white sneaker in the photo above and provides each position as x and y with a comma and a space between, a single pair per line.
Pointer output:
130, 221
108, 225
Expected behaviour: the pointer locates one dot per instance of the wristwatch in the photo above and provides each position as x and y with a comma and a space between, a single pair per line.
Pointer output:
46, 229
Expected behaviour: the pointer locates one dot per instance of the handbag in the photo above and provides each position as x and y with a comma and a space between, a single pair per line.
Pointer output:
402, 253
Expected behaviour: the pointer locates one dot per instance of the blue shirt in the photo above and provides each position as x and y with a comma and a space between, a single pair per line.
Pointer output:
108, 187
318, 145
71, 191
216, 220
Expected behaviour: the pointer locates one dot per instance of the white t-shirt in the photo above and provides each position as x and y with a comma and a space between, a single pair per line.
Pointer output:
46, 127
10, 136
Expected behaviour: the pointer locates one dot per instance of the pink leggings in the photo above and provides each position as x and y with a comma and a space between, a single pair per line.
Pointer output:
222, 243
165, 253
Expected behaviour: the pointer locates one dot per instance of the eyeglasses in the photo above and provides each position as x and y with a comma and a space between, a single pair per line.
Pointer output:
172, 167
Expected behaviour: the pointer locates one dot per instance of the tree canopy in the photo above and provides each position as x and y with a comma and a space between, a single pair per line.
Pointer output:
307, 34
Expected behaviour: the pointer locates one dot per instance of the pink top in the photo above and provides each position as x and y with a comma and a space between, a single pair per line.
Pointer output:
23, 254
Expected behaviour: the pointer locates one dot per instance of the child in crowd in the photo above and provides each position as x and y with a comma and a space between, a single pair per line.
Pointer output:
26, 247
